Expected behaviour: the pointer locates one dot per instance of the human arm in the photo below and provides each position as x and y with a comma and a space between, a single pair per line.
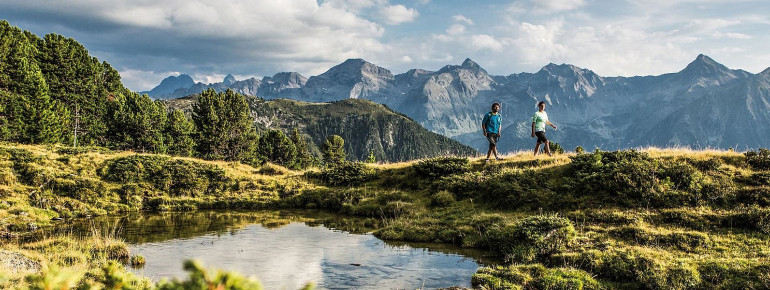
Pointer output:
551, 124
533, 129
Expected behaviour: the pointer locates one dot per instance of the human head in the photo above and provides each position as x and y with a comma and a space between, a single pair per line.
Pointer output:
495, 107
541, 105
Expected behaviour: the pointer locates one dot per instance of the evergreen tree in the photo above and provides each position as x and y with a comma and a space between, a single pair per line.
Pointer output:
28, 112
333, 150
224, 128
137, 123
275, 147
80, 82
304, 158
371, 158
178, 134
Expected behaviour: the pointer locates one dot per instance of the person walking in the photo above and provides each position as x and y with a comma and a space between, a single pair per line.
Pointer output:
539, 120
491, 125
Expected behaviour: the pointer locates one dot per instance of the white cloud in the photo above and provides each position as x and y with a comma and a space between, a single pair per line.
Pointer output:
550, 6
461, 18
397, 14
732, 35
485, 41
456, 29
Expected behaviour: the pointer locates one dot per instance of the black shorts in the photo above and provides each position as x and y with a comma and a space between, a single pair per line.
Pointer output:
541, 137
492, 138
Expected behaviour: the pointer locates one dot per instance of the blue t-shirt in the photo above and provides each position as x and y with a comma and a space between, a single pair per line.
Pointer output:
493, 122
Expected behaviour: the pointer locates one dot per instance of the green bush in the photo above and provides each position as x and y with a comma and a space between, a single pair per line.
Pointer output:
533, 237
200, 278
442, 198
346, 173
532, 276
176, 177
442, 166
759, 160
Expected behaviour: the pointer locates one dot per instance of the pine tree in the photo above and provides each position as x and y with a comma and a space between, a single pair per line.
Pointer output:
333, 150
371, 158
275, 147
28, 111
178, 134
224, 128
304, 158
136, 123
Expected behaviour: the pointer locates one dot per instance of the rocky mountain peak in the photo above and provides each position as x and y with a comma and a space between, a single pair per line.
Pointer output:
468, 63
705, 66
229, 80
291, 79
766, 72
171, 84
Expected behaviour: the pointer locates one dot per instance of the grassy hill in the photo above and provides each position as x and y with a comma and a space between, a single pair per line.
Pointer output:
651, 219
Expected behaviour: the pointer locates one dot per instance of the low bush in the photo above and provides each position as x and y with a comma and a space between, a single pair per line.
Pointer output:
442, 198
345, 173
759, 160
533, 237
532, 276
176, 177
442, 166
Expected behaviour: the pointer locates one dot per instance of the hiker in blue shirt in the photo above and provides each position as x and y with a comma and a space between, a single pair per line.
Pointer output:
491, 127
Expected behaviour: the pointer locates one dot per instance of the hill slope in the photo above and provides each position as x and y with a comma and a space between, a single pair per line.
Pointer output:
366, 127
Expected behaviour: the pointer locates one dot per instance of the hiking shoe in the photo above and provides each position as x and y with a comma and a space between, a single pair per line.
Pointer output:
499, 159
487, 160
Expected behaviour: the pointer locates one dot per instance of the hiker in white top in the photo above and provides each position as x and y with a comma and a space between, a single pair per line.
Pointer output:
539, 120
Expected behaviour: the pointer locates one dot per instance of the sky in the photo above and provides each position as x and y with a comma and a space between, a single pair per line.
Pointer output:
148, 40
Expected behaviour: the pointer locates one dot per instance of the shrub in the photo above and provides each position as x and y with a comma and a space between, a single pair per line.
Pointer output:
579, 150
555, 148
137, 261
626, 177
532, 237
533, 276
442, 166
200, 278
177, 177
759, 160
347, 173
442, 198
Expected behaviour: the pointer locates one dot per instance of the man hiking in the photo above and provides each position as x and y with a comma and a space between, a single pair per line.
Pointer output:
539, 120
491, 127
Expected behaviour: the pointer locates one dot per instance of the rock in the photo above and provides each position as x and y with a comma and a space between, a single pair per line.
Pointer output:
17, 263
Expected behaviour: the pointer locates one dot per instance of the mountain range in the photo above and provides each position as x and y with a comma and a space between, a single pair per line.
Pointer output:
705, 105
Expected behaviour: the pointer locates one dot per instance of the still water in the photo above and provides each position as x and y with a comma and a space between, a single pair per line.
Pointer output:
286, 250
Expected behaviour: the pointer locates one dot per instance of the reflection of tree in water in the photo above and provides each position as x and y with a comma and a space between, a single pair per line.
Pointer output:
138, 227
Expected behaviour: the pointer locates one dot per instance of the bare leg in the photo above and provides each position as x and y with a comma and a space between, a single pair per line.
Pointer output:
547, 148
537, 148
489, 152
494, 150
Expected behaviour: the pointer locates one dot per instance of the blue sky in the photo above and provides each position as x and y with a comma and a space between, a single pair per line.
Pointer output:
149, 40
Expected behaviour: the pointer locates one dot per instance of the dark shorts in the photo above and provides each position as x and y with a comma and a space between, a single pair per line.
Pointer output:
541, 137
492, 138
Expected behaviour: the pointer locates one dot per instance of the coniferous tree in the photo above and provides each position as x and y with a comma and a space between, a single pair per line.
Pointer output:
304, 158
81, 83
275, 147
178, 134
333, 150
137, 123
224, 128
28, 112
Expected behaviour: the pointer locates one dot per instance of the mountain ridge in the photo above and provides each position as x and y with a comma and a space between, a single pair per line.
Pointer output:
595, 111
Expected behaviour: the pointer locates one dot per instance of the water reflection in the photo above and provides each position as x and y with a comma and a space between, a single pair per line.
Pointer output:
286, 249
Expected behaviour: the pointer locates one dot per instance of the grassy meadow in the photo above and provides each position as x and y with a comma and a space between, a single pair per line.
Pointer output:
646, 219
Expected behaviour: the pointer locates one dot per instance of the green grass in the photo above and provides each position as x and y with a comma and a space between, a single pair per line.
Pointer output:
655, 219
